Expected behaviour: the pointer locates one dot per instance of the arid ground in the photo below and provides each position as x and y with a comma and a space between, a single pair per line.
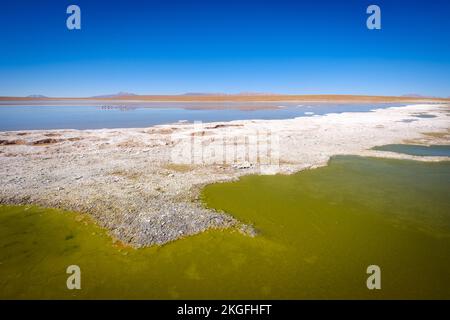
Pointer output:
143, 184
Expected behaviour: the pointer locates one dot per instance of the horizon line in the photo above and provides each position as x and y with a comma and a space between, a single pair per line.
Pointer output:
224, 97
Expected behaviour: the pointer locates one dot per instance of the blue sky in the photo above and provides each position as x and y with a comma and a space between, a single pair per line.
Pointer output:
171, 47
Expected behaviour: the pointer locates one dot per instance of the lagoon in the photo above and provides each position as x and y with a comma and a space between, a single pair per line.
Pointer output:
318, 230
417, 150
35, 117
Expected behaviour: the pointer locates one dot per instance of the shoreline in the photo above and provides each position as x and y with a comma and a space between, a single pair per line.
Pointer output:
128, 181
204, 100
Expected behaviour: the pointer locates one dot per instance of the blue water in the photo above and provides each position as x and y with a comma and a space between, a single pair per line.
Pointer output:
20, 117
423, 115
417, 150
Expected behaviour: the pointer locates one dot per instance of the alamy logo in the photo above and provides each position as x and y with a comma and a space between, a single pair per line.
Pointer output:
374, 20
374, 280
73, 21
243, 149
74, 280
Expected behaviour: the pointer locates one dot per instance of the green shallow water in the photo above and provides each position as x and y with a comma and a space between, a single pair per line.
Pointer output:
318, 232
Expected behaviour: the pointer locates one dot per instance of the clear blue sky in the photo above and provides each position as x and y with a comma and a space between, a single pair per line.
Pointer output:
171, 47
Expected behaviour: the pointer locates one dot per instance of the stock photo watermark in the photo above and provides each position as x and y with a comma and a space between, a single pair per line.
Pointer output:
374, 20
243, 149
73, 282
73, 21
374, 280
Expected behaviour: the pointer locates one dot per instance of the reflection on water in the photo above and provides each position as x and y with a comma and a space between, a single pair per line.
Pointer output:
112, 116
318, 232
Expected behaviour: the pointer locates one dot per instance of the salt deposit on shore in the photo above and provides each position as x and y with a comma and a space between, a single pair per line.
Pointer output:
143, 184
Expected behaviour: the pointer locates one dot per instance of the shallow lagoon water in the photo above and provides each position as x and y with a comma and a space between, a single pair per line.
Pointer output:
20, 117
417, 150
318, 231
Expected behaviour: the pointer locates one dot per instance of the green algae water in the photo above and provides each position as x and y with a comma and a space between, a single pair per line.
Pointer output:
318, 232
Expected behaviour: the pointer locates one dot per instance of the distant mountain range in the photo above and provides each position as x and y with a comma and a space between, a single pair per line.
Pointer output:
229, 94
114, 95
127, 94
36, 96
202, 94
416, 95
212, 94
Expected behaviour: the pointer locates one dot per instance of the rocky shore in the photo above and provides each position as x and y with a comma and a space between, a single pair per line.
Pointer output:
143, 184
